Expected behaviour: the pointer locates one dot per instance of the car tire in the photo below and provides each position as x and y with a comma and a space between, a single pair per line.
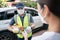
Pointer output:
7, 36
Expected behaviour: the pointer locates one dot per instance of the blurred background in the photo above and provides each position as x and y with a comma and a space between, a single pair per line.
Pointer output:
28, 3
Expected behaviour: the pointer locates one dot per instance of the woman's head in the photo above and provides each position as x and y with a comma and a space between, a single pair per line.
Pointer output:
49, 8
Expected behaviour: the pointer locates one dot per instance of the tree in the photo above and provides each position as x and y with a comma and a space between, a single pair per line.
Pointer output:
29, 3
3, 3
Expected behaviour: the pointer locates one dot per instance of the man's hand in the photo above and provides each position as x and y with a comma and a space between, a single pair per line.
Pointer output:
32, 25
13, 29
25, 35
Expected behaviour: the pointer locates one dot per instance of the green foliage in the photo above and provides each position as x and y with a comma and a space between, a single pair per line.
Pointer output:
28, 3
2, 3
31, 4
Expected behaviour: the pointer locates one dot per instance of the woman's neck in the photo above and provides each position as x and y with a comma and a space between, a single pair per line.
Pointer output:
54, 25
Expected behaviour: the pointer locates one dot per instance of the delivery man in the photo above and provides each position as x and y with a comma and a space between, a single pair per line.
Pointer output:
22, 23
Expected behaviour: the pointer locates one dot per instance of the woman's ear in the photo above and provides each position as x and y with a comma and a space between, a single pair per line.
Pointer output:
45, 11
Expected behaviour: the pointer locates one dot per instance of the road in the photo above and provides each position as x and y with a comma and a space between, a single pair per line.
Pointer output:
39, 33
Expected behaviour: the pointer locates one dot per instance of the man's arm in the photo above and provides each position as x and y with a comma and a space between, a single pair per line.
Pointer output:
11, 24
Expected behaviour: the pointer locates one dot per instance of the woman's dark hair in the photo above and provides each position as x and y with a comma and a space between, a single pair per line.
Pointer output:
53, 5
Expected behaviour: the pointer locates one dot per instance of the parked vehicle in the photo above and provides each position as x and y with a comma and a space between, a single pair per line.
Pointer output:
5, 17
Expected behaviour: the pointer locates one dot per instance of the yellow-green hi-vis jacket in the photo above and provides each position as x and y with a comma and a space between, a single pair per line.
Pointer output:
26, 24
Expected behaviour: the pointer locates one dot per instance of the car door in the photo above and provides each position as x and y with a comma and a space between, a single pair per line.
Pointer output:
36, 17
5, 18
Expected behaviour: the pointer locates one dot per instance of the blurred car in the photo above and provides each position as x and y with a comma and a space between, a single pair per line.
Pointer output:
5, 17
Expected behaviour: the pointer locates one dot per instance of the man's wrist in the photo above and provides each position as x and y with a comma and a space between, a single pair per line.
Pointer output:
26, 38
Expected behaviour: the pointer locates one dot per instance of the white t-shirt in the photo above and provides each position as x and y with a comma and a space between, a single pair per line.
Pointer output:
48, 36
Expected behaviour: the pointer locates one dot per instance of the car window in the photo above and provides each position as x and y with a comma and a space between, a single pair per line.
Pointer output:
6, 15
2, 15
32, 12
9, 14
